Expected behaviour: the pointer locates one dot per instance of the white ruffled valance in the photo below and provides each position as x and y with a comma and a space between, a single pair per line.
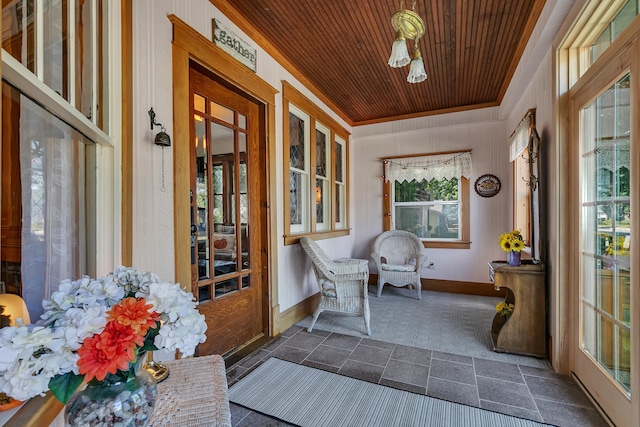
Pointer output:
441, 166
520, 138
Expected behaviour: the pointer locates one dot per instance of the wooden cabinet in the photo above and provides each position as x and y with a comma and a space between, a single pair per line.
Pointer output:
525, 331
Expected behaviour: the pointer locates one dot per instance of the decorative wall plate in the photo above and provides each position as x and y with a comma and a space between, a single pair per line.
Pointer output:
487, 185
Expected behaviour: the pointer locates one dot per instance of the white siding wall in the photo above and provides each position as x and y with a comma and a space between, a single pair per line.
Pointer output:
533, 88
153, 239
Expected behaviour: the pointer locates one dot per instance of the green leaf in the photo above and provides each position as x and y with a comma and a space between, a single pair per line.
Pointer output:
148, 339
63, 386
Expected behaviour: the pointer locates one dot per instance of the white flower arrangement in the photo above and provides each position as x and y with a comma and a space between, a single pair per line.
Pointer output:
41, 357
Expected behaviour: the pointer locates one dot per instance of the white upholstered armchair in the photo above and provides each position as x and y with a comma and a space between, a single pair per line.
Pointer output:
399, 259
343, 283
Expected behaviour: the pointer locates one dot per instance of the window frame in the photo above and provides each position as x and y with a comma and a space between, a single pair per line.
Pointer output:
296, 103
463, 198
525, 176
104, 239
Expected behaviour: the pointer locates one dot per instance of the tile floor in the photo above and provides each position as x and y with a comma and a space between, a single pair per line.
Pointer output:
521, 391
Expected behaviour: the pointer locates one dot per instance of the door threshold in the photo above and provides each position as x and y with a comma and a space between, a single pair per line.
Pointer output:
234, 356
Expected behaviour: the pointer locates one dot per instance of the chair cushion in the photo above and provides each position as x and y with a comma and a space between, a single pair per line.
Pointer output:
395, 267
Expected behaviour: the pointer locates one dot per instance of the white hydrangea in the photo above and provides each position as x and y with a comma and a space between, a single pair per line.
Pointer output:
36, 355
81, 323
134, 282
183, 328
31, 355
170, 300
184, 334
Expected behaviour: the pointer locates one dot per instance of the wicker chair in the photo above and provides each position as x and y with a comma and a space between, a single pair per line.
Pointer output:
343, 283
399, 259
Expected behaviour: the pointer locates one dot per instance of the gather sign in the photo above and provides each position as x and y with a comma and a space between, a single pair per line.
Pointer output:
226, 39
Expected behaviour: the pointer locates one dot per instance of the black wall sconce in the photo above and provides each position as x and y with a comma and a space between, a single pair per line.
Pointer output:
162, 138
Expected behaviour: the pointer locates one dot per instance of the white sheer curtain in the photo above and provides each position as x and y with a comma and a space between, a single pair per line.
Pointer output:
50, 204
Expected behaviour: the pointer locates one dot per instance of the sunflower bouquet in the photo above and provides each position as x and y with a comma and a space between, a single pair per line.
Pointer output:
504, 309
511, 241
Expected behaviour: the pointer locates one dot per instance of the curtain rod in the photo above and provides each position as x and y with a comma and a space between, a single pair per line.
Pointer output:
408, 156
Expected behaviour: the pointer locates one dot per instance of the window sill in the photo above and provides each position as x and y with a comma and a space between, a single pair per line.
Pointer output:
292, 239
458, 244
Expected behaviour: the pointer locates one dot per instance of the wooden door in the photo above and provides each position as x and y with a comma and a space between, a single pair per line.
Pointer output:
225, 219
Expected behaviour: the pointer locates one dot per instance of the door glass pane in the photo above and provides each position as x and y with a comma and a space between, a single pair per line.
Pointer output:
244, 202
224, 237
202, 199
226, 286
607, 230
198, 103
221, 112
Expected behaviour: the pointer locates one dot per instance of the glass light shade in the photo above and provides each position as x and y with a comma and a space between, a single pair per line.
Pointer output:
14, 308
399, 52
417, 73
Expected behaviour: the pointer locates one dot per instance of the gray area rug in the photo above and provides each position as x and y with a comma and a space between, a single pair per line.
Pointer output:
450, 323
310, 397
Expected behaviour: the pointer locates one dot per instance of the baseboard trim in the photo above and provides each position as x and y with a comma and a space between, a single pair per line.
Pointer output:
454, 287
294, 314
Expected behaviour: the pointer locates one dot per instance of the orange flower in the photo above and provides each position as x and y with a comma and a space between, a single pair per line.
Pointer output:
101, 355
123, 334
135, 313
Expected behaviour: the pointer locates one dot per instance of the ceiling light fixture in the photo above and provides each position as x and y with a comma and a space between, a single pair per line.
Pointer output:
408, 26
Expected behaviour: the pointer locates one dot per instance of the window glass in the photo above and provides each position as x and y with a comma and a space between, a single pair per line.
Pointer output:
47, 168
315, 147
55, 66
341, 188
297, 142
621, 21
61, 54
18, 31
428, 209
428, 195
299, 203
322, 187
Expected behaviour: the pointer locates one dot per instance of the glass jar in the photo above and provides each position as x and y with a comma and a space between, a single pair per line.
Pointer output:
122, 403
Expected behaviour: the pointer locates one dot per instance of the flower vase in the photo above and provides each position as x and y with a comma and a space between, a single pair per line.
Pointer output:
513, 258
125, 403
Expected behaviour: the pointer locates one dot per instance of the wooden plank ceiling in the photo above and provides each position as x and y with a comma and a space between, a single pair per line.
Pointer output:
340, 48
